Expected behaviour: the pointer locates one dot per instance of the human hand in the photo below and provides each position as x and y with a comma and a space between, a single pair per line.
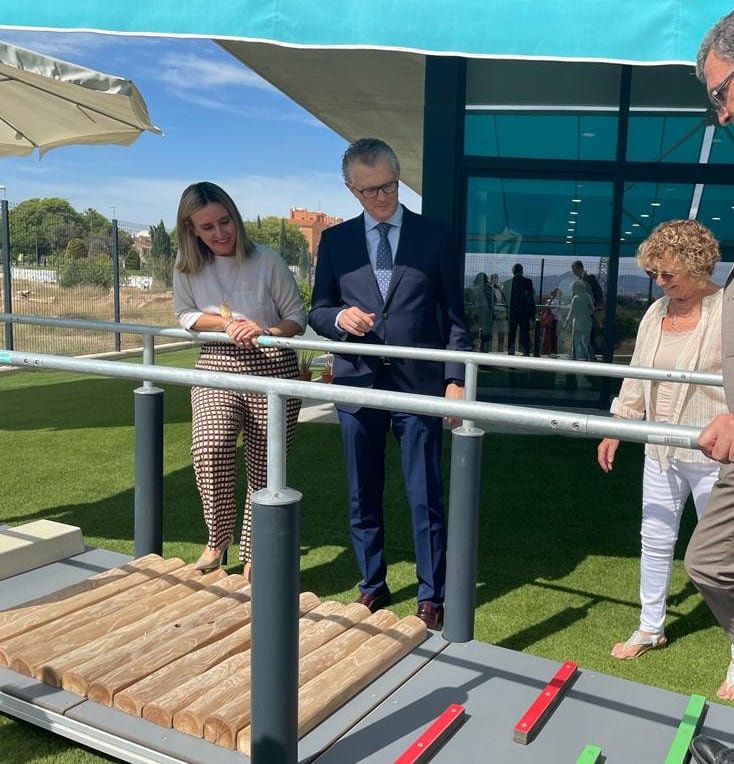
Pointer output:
355, 321
717, 439
244, 332
605, 452
455, 392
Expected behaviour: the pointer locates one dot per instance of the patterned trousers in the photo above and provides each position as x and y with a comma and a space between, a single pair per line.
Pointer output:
218, 418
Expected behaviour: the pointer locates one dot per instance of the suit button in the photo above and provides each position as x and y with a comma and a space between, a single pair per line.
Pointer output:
384, 315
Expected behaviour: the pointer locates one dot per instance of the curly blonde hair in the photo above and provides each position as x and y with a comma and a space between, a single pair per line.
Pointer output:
689, 245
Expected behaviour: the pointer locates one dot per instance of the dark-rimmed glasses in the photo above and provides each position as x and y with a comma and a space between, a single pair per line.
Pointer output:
717, 95
664, 275
371, 193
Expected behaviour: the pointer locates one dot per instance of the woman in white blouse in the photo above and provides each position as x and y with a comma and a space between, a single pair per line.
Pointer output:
224, 282
681, 330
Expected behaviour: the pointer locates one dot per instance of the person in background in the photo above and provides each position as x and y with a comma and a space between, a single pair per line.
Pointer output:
580, 317
681, 330
549, 321
391, 277
482, 313
597, 296
521, 300
223, 282
498, 306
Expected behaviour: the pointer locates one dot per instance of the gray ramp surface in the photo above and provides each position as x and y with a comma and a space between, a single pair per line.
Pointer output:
631, 723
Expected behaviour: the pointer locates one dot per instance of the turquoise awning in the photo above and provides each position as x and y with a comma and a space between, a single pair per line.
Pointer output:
654, 31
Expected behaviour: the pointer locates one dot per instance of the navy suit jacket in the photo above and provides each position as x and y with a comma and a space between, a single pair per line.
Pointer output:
423, 308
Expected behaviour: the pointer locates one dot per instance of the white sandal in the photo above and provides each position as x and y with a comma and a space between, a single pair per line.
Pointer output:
643, 643
728, 682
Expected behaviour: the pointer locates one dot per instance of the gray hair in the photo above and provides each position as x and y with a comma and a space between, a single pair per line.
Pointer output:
369, 151
719, 40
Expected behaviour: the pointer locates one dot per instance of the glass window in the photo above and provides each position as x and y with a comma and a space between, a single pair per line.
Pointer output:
544, 225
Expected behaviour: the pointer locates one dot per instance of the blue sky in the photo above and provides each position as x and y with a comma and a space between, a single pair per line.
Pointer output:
220, 122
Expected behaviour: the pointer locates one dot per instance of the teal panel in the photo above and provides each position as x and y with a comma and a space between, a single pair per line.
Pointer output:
538, 135
666, 137
623, 30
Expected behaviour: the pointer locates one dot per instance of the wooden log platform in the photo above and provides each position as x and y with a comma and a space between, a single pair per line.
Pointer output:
156, 639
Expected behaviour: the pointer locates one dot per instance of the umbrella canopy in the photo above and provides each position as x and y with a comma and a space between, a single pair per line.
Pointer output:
46, 102
591, 30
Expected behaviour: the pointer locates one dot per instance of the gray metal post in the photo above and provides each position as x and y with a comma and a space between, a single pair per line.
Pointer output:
463, 533
7, 293
274, 626
148, 471
115, 282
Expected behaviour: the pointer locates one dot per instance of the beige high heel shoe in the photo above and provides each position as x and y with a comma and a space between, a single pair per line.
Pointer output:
211, 559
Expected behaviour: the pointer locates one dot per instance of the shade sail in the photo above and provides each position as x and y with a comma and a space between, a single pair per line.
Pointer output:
600, 30
46, 102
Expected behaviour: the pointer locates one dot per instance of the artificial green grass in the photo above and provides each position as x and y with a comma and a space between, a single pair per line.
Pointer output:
558, 547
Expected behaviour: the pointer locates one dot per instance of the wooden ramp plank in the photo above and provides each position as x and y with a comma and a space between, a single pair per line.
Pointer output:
35, 544
52, 670
320, 697
154, 688
233, 714
62, 603
199, 609
26, 651
189, 715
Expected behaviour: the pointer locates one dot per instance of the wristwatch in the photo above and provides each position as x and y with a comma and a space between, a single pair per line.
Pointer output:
267, 332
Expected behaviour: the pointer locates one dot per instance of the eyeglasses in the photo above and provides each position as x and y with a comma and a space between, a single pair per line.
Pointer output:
717, 95
664, 275
371, 193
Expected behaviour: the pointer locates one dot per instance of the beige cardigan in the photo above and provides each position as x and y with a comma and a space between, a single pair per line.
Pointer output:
694, 405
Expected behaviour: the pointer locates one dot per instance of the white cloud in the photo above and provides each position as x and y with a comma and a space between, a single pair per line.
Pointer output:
185, 72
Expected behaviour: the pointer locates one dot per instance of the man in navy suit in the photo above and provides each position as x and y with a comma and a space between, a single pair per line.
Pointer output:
422, 306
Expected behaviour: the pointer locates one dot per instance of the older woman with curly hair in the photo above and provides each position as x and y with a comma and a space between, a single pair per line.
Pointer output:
681, 330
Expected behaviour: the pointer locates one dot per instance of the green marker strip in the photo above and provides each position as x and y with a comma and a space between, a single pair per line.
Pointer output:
689, 724
590, 755
4, 357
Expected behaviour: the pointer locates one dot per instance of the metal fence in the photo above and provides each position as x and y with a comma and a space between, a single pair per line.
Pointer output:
48, 270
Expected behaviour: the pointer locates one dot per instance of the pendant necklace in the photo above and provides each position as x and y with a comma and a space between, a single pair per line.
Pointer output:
225, 311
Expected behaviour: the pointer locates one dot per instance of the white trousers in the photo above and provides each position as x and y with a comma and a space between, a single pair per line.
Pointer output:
664, 495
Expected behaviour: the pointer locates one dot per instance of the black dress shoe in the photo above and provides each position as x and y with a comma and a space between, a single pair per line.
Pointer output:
706, 750
375, 601
430, 614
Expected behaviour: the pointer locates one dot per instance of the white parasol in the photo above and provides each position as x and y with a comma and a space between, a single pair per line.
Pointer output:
46, 102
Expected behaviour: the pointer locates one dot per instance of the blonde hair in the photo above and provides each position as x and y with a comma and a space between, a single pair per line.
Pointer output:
690, 246
193, 253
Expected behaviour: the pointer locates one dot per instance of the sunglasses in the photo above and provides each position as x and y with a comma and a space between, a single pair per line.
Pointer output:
664, 275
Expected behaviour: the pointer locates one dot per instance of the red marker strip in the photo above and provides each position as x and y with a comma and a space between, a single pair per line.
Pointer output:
541, 708
434, 737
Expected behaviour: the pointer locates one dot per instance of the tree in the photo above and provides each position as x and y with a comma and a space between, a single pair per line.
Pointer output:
76, 249
161, 253
160, 241
280, 235
43, 227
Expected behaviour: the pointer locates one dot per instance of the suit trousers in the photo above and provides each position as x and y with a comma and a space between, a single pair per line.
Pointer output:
521, 325
364, 436
710, 555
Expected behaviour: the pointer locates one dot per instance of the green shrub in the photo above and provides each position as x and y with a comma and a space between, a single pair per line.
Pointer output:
96, 271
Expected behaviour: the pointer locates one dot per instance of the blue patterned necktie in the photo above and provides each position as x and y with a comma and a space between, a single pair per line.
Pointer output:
383, 266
